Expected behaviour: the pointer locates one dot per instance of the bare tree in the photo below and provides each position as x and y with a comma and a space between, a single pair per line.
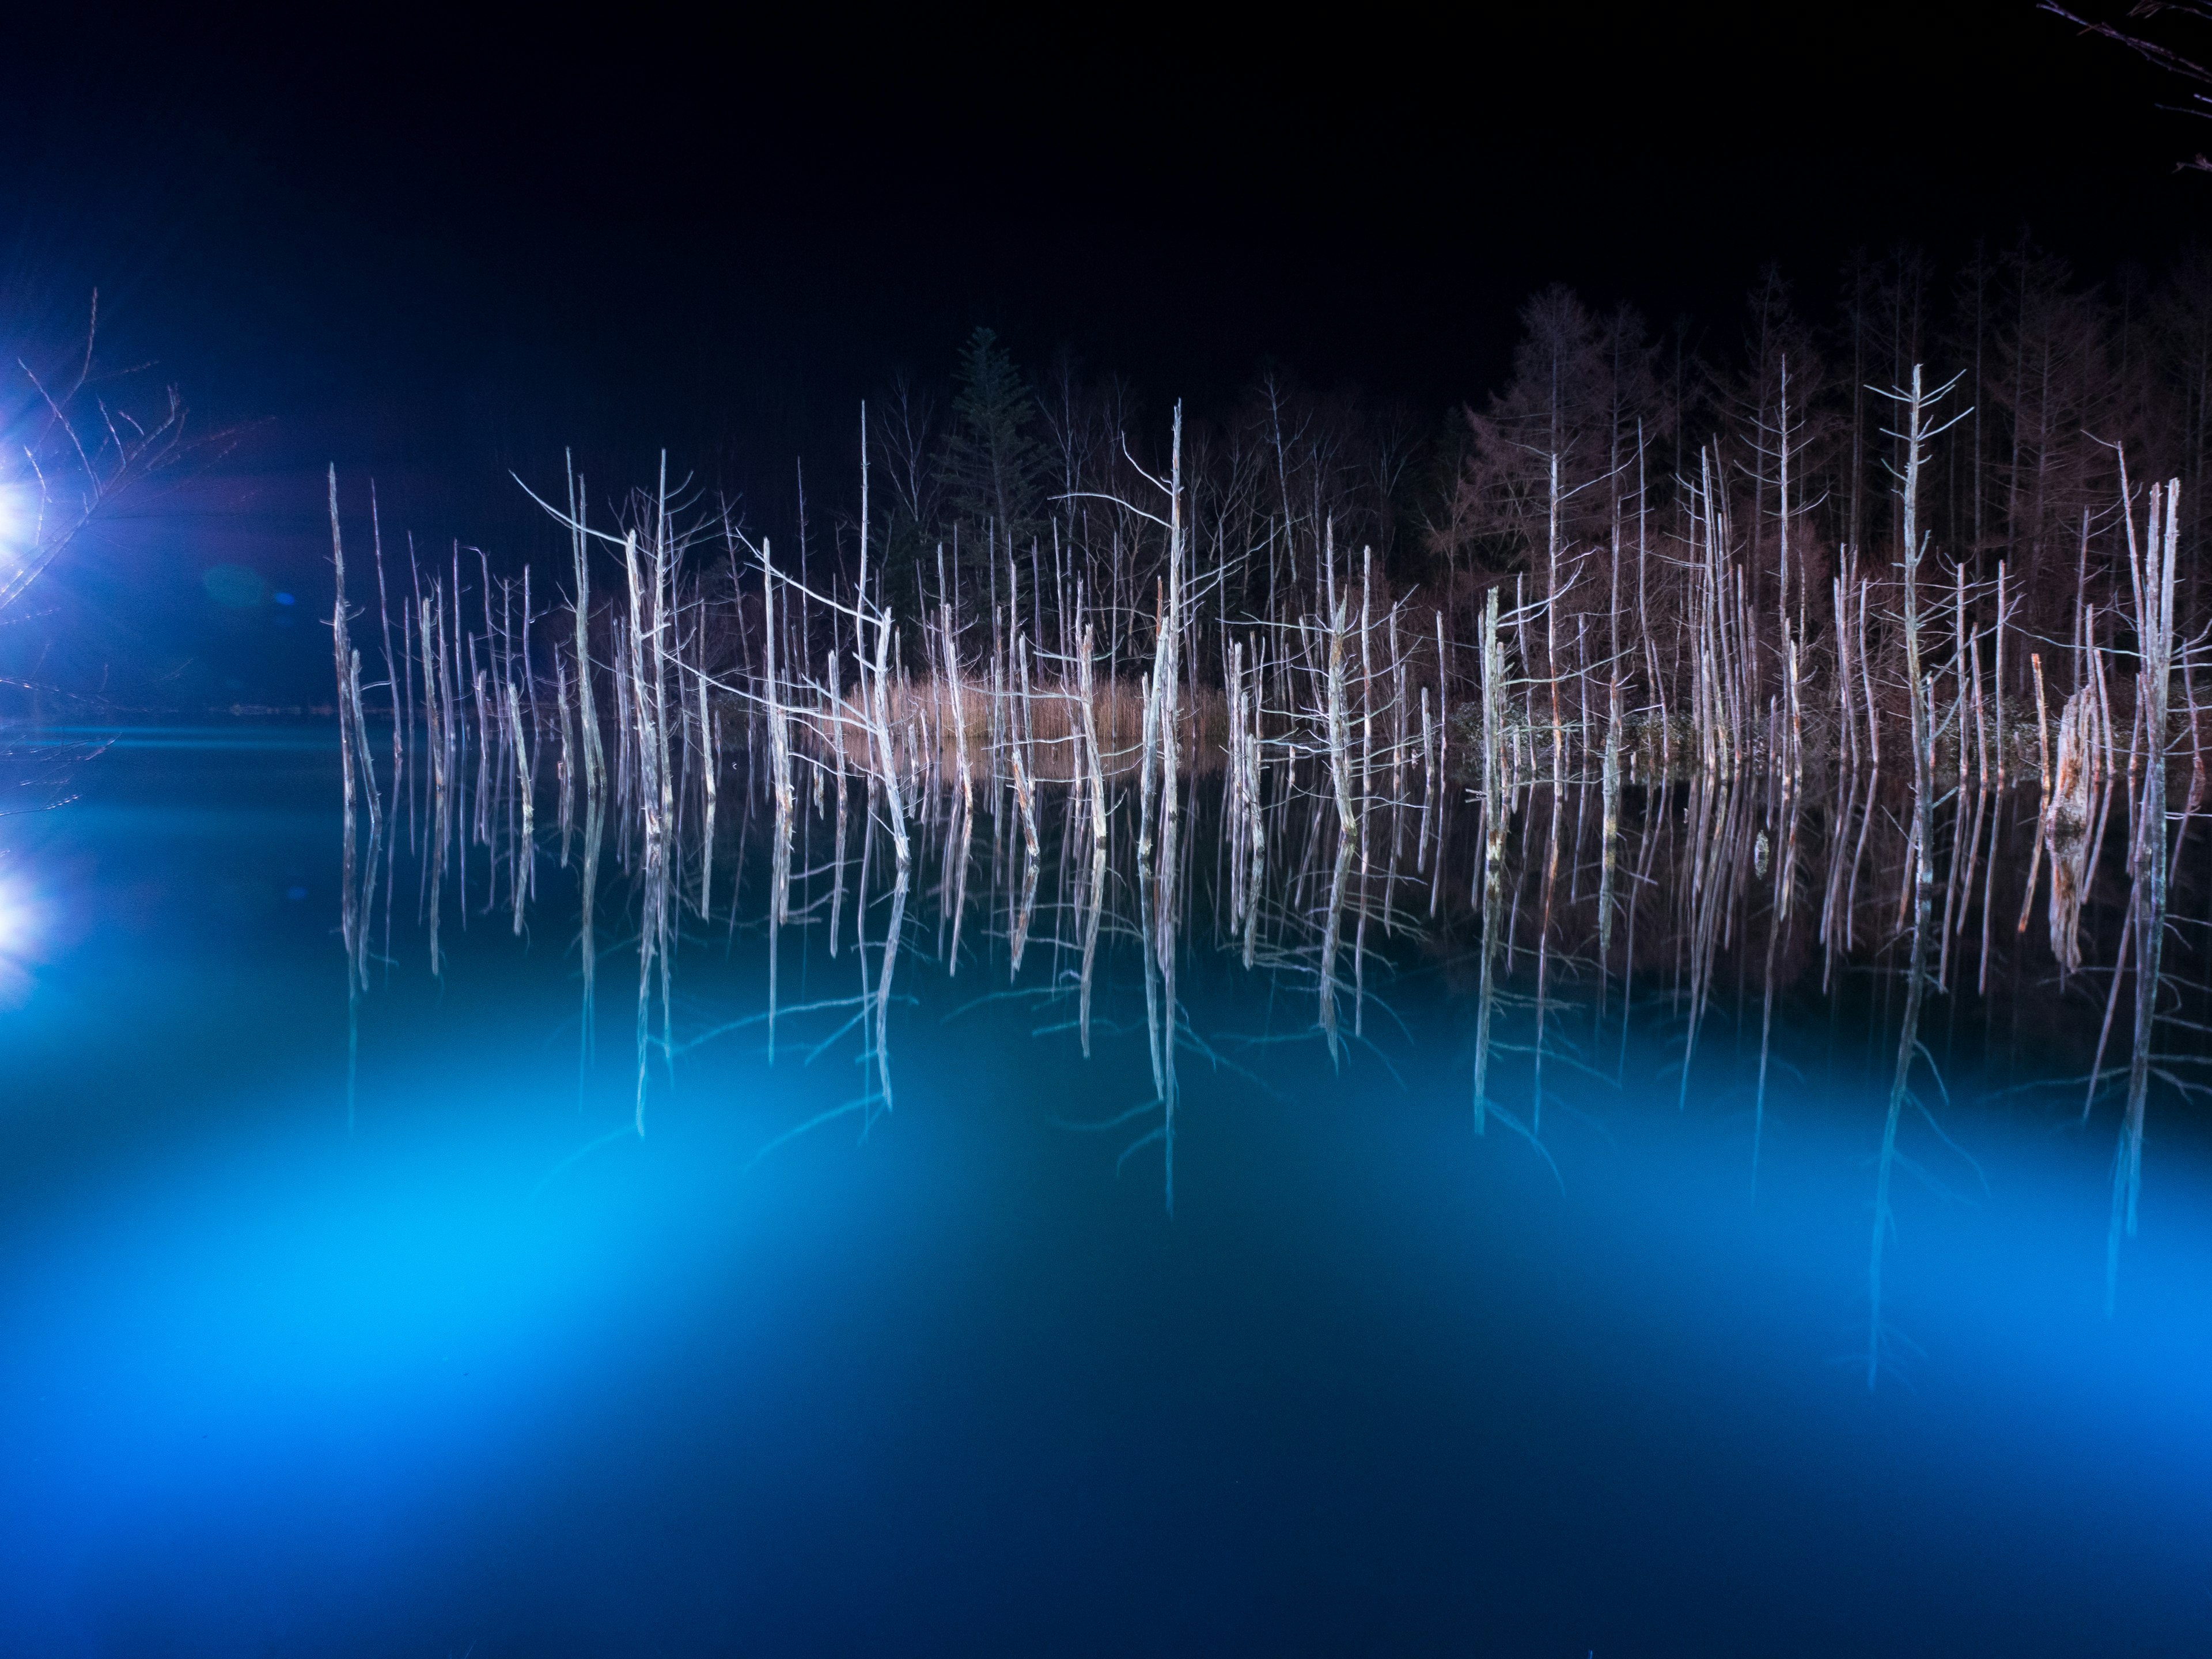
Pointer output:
85, 449
2159, 54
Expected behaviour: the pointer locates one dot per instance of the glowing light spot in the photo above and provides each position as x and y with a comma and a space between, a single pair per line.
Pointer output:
19, 520
22, 934
16, 930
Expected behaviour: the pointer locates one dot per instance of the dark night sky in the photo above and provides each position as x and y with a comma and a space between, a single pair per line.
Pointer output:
429, 256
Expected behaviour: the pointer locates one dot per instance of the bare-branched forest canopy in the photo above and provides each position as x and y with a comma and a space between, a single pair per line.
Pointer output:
1608, 444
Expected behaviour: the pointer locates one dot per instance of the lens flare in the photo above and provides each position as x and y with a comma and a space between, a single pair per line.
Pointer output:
21, 933
19, 520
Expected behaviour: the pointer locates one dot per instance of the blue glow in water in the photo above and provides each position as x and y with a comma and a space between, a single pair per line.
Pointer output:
487, 1371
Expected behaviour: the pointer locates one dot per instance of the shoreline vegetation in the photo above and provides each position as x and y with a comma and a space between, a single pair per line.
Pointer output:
1197, 677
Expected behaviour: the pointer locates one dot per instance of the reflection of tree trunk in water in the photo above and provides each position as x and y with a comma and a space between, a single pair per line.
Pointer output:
947, 879
1713, 800
437, 743
2066, 831
886, 754
710, 749
1544, 961
1025, 916
352, 929
1390, 873
1359, 945
1778, 918
1170, 1091
835, 701
1257, 874
1025, 799
485, 745
649, 940
1234, 806
594, 827
868, 858
1989, 885
1959, 853
960, 883
1965, 906
1830, 921
435, 852
775, 929
526, 849
1151, 981
1428, 789
1091, 941
1908, 1041
892, 934
1156, 927
1654, 815
1610, 840
1163, 919
2148, 856
1332, 938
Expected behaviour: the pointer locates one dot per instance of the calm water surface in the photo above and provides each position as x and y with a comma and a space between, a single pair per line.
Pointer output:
479, 1372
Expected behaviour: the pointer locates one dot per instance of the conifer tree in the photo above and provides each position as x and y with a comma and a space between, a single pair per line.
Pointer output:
992, 461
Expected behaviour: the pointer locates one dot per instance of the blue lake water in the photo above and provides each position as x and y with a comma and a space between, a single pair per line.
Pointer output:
465, 1366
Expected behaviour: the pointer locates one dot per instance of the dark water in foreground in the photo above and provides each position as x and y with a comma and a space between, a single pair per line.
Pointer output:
437, 1384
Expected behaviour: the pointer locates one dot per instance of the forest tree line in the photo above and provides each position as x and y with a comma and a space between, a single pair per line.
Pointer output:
1606, 443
